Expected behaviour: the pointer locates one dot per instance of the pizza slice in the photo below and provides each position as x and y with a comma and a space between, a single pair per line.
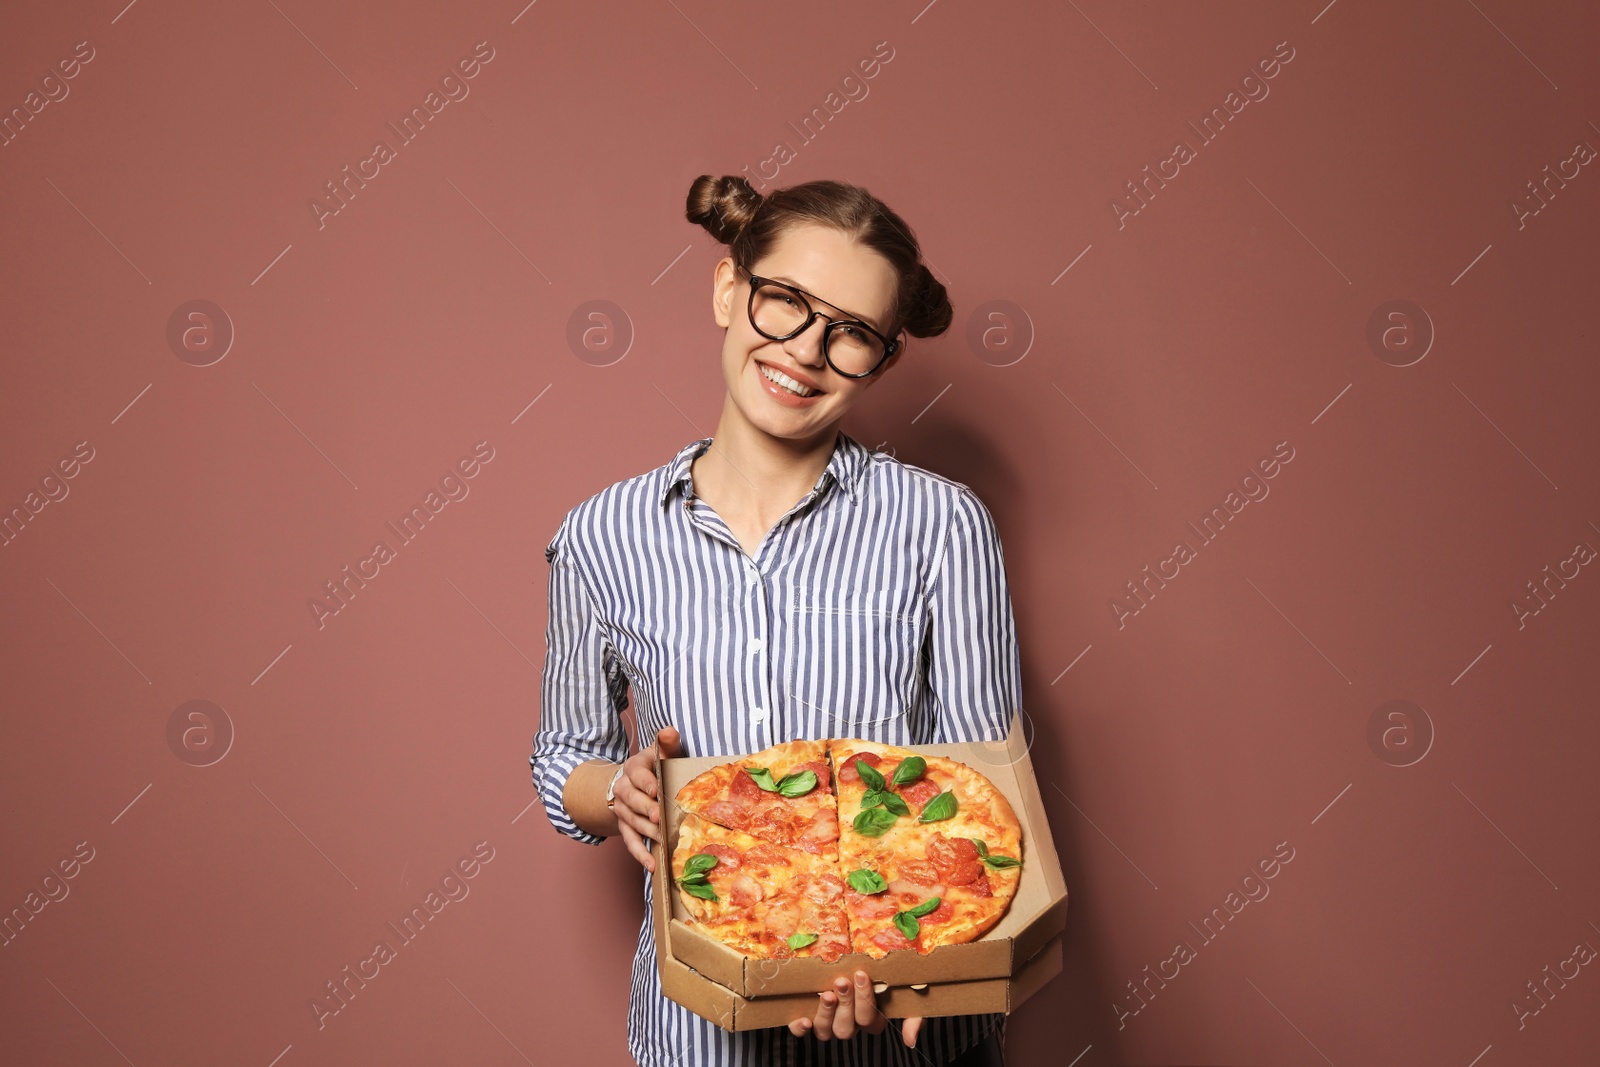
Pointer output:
930, 849
782, 794
759, 898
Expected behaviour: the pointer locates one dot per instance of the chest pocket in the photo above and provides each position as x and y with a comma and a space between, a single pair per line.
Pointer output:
854, 666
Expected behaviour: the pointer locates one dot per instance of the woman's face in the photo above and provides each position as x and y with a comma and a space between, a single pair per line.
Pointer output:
849, 281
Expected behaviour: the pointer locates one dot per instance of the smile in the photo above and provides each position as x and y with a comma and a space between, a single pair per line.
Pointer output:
785, 382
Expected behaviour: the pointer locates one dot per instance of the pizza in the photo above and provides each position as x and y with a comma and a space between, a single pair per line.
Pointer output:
764, 899
782, 794
943, 842
924, 851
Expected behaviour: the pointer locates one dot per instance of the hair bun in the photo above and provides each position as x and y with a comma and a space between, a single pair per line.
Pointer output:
929, 312
724, 206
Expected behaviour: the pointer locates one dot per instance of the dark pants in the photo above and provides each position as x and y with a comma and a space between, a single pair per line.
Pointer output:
985, 1053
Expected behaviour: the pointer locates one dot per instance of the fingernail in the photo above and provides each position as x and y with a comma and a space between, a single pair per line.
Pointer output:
861, 979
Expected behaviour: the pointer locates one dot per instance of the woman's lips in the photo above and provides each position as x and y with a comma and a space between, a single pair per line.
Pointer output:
796, 375
782, 395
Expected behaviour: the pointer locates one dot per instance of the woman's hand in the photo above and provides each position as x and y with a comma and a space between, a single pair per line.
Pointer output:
843, 1010
638, 809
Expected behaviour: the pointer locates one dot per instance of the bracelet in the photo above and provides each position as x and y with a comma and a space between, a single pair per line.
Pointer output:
611, 795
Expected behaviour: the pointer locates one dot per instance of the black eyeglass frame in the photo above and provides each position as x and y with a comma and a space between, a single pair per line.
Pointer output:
756, 281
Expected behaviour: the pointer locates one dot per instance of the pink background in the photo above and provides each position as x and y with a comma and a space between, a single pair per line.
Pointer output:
364, 757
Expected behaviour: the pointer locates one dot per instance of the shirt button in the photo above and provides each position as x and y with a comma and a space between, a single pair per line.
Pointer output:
755, 645
760, 714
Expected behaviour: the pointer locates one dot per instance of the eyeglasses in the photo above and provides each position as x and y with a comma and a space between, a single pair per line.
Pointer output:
851, 347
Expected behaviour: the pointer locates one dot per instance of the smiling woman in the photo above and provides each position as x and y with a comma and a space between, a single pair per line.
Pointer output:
778, 582
821, 280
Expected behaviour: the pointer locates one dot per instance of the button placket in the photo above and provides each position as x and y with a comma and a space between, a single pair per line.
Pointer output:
756, 663
768, 704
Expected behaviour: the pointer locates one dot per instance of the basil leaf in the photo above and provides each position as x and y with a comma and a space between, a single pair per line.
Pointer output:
983, 849
896, 803
797, 784
874, 822
872, 798
869, 774
694, 874
1002, 862
906, 921
700, 861
910, 770
702, 890
799, 940
866, 882
940, 807
763, 778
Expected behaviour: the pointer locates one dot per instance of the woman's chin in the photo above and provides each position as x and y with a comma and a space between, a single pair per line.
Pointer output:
787, 423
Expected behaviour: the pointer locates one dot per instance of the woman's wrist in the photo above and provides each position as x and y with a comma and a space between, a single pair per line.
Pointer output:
585, 798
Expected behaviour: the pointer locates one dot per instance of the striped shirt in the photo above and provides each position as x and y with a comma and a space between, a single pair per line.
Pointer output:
877, 607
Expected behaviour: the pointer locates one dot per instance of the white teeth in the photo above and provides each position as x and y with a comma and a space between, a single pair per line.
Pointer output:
786, 381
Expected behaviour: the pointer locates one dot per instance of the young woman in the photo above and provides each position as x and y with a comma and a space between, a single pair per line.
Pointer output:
778, 581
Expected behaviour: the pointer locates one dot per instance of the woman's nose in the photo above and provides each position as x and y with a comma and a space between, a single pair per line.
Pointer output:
807, 345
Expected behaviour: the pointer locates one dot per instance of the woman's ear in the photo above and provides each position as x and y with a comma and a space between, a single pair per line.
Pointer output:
723, 277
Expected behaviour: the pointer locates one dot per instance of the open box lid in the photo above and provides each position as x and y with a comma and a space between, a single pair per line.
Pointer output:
1036, 915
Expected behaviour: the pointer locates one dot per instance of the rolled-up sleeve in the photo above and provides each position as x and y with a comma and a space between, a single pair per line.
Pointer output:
975, 668
583, 692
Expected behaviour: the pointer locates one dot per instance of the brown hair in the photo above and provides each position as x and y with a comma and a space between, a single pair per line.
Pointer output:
750, 224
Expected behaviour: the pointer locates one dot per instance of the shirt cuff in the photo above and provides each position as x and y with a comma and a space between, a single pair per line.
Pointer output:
550, 774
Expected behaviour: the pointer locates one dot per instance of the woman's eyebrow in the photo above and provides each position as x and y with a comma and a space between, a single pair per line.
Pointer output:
836, 307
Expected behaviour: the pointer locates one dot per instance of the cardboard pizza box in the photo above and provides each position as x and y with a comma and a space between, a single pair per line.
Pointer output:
995, 973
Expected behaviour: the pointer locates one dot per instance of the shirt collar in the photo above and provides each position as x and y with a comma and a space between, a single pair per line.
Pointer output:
845, 467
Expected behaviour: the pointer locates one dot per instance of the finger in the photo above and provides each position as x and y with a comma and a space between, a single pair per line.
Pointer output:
638, 771
641, 807
642, 779
866, 1001
636, 797
670, 742
844, 1022
636, 847
822, 1025
631, 803
638, 822
909, 1029
799, 1027
648, 830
